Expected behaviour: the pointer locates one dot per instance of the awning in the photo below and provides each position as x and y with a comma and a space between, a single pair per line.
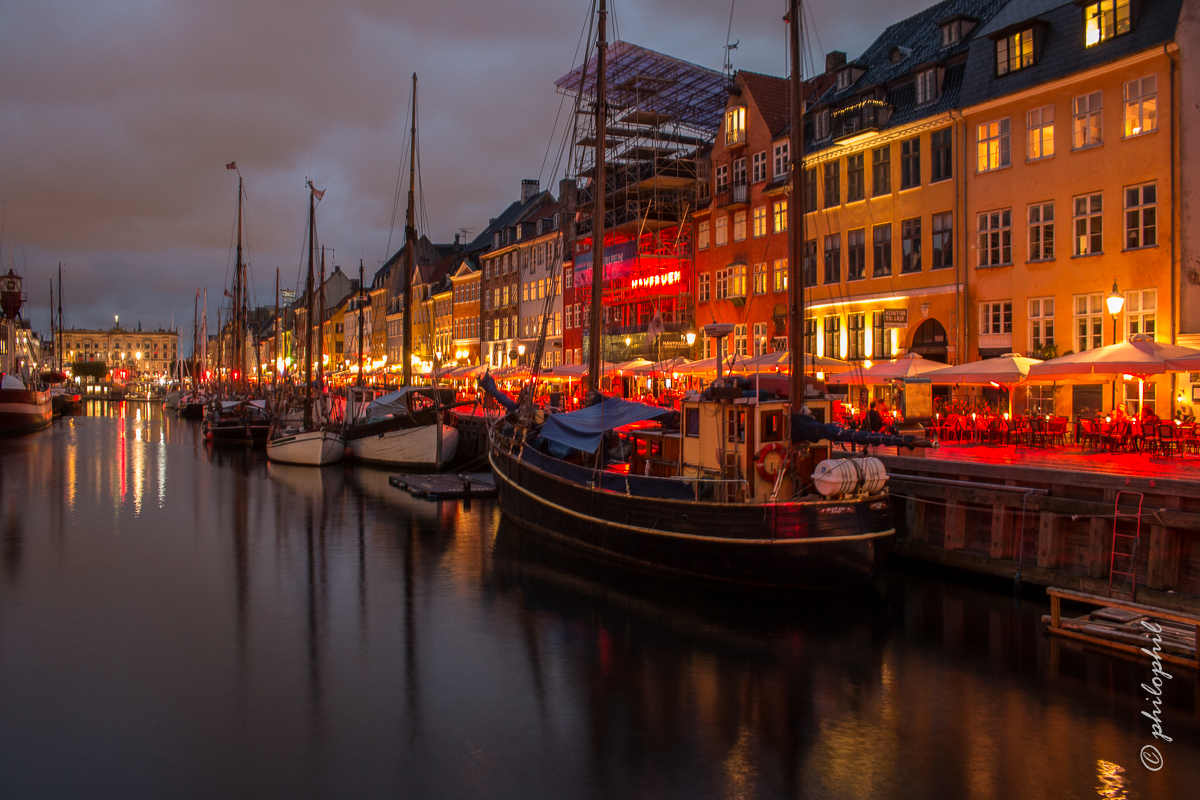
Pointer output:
584, 429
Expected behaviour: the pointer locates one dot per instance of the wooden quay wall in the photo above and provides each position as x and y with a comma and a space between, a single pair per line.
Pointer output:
980, 517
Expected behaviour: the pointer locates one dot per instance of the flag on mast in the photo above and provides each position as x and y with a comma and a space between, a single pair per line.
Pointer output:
231, 165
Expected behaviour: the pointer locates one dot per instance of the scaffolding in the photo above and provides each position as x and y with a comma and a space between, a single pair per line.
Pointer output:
662, 115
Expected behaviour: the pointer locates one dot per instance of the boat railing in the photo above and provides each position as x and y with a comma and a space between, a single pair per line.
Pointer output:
716, 490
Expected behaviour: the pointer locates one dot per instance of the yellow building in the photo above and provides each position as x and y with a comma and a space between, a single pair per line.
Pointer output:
1070, 177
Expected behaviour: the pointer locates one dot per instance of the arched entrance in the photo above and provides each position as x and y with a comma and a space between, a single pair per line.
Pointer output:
929, 341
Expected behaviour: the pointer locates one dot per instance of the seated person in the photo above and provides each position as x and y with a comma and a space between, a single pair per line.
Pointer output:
1119, 414
1148, 415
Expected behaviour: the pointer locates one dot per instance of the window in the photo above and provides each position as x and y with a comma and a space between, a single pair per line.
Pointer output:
739, 226
855, 179
810, 336
1141, 109
780, 283
722, 230
995, 238
739, 339
910, 163
927, 89
1014, 52
739, 171
1041, 322
809, 265
881, 339
759, 166
856, 254
760, 338
993, 145
845, 78
1089, 223
883, 251
702, 235
1104, 20
781, 213
722, 285
1139, 311
833, 258
1140, 217
995, 318
833, 337
821, 125
954, 30
737, 280
1040, 400
1089, 321
881, 170
910, 245
704, 292
941, 154
735, 126
943, 241
856, 328
722, 177
1088, 114
782, 158
833, 186
760, 221
810, 189
1040, 133
760, 278
1041, 232
1133, 404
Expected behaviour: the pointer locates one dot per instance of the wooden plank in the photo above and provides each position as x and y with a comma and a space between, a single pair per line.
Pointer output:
1049, 541
918, 531
1099, 555
1127, 648
1003, 525
1055, 610
956, 526
1128, 605
1162, 565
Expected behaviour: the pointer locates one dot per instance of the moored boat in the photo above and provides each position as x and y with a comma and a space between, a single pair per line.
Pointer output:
22, 409
307, 448
403, 428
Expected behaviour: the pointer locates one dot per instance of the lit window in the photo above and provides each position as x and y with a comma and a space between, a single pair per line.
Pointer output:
856, 339
1104, 20
1041, 231
1089, 224
833, 336
739, 226
1141, 216
1088, 117
993, 145
760, 221
702, 233
1040, 133
1089, 321
760, 338
780, 273
760, 278
1139, 311
1014, 52
1141, 106
781, 214
995, 318
735, 126
995, 238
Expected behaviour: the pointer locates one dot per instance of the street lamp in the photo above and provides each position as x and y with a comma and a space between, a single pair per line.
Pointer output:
1115, 302
521, 352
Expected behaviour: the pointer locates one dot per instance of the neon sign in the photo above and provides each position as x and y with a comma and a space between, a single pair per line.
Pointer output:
651, 281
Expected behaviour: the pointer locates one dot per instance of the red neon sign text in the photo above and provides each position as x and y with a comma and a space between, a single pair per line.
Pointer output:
665, 279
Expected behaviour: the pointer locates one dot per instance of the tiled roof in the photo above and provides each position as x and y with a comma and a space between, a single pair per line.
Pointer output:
772, 95
1062, 52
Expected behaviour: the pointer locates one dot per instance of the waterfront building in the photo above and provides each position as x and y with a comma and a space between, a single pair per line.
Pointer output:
1070, 122
133, 353
540, 278
465, 283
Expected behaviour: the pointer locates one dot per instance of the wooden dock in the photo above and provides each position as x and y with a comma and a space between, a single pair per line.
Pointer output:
1118, 625
447, 486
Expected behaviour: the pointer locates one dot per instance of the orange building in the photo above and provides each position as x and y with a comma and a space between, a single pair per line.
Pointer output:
1070, 178
466, 287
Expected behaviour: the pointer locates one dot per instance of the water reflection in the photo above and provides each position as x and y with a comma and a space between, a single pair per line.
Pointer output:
262, 630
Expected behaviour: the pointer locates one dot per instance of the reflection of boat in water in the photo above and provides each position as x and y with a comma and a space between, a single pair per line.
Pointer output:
239, 422
320, 483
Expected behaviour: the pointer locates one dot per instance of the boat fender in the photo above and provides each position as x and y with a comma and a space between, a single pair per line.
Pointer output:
849, 476
760, 460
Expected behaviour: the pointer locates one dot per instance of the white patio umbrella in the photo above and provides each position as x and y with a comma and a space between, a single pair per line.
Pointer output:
781, 360
1140, 357
912, 365
1004, 372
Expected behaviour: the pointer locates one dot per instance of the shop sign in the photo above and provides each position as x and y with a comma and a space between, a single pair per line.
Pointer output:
895, 318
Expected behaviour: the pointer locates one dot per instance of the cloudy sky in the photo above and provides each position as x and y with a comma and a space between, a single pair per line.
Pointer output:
117, 120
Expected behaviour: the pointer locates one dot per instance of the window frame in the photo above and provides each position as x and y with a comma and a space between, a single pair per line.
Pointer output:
1140, 101
758, 167
856, 254
910, 246
1081, 138
1015, 52
1036, 137
832, 183
1139, 210
944, 235
941, 155
1040, 324
856, 175
1040, 231
1095, 12
998, 313
881, 170
1092, 220
993, 145
994, 235
833, 258
910, 163
881, 246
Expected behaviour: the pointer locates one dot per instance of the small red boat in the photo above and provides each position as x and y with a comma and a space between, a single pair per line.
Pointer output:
22, 410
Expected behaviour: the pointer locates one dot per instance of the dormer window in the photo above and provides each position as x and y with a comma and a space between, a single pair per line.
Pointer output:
845, 78
927, 86
955, 29
1104, 20
735, 126
899, 53
821, 125
1014, 52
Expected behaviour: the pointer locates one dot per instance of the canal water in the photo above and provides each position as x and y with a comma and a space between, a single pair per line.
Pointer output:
178, 621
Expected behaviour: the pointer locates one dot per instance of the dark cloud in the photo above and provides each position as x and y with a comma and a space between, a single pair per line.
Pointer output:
117, 120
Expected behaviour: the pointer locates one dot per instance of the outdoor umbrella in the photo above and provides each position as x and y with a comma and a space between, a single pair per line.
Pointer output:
1139, 357
667, 367
909, 366
781, 360
632, 366
1003, 372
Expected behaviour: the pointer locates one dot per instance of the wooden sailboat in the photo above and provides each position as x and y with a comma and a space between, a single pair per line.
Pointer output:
312, 443
403, 428
681, 502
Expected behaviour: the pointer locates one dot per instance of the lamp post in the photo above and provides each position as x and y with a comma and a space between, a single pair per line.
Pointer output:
521, 354
1115, 302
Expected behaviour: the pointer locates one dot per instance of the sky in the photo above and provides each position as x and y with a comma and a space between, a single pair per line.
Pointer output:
117, 120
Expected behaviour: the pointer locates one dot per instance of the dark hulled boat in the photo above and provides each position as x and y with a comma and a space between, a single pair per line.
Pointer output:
21, 409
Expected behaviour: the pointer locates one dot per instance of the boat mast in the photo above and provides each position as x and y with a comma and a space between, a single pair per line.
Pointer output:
598, 204
308, 307
54, 357
799, 380
321, 326
239, 345
275, 346
360, 324
410, 241
60, 327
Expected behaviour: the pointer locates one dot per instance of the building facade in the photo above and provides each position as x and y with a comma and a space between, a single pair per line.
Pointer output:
135, 353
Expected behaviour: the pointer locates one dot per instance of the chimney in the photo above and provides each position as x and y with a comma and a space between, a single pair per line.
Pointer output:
456, 240
529, 190
834, 60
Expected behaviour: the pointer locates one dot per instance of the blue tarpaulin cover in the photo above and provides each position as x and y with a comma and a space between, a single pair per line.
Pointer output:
583, 429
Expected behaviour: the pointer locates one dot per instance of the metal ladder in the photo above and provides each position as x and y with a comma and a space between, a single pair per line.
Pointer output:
1127, 556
